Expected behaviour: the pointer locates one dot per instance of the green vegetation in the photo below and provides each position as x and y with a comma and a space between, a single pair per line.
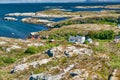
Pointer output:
6, 60
100, 20
86, 42
117, 12
32, 50
100, 47
104, 34
115, 60
119, 33
59, 12
62, 33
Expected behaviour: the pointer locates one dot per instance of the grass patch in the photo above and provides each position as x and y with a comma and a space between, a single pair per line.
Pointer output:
115, 60
7, 60
32, 50
100, 47
103, 34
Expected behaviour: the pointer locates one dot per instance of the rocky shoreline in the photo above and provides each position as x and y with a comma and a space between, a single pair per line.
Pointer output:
37, 14
104, 6
36, 21
10, 18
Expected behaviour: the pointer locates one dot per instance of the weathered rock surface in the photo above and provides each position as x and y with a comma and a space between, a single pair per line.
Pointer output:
10, 18
35, 21
79, 74
68, 51
38, 14
44, 76
25, 66
21, 14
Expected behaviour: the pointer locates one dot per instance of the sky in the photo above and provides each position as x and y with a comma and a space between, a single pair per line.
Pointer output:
40, 1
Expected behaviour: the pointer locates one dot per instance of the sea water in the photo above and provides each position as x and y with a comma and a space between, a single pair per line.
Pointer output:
18, 29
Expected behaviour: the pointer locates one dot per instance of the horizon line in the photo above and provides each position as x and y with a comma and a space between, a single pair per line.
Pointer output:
62, 2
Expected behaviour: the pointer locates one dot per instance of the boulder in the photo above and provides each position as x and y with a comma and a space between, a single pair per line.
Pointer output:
55, 51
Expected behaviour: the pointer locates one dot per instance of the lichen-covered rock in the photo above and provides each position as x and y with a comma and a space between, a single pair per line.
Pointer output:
20, 67
44, 76
77, 74
68, 51
25, 66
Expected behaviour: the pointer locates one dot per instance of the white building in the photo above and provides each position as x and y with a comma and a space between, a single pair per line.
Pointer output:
79, 39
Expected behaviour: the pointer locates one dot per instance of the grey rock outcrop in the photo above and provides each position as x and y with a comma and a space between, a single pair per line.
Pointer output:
79, 74
44, 76
25, 66
68, 51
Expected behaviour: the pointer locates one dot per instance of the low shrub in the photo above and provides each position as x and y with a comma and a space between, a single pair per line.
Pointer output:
32, 50
86, 42
119, 33
103, 34
8, 60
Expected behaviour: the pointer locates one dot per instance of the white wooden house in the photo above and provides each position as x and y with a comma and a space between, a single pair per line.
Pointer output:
79, 39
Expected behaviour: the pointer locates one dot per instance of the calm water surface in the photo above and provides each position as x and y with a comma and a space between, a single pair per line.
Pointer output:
17, 29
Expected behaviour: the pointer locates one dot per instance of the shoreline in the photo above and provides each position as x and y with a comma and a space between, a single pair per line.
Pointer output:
34, 17
39, 15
